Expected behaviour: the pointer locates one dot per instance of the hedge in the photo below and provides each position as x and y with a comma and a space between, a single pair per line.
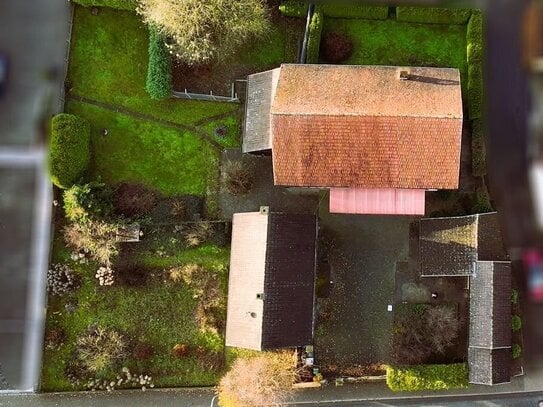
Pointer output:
118, 4
69, 152
159, 69
294, 8
427, 377
432, 15
355, 11
481, 201
474, 39
478, 149
516, 351
516, 323
314, 38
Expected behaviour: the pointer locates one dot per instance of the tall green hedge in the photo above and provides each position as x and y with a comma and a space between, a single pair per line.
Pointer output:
355, 11
118, 4
474, 40
478, 150
159, 69
427, 377
433, 15
69, 152
294, 8
314, 38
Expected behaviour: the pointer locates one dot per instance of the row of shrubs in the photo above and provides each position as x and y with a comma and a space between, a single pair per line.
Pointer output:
427, 377
117, 4
433, 15
159, 70
296, 8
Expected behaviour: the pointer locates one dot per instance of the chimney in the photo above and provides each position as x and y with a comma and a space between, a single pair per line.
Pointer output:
402, 74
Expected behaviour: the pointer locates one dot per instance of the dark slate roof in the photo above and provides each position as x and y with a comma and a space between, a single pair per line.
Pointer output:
448, 246
289, 283
490, 305
489, 366
260, 93
490, 245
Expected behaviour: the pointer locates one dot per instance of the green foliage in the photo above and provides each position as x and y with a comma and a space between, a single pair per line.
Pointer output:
294, 8
172, 161
427, 377
116, 4
314, 38
108, 63
481, 201
474, 39
516, 323
98, 348
431, 15
355, 11
82, 203
159, 70
478, 148
516, 351
68, 149
514, 297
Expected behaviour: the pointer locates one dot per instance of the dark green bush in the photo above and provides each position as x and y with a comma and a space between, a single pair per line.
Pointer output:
314, 40
516, 323
159, 70
69, 152
478, 150
427, 377
293, 8
355, 11
514, 297
83, 203
475, 91
433, 15
118, 4
474, 39
516, 350
481, 201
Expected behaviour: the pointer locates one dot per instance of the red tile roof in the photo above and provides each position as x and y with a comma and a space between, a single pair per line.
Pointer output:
358, 126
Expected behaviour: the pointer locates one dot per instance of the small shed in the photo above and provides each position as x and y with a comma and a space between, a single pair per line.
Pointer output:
271, 288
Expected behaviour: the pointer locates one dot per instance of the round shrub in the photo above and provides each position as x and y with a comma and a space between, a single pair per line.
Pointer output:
99, 348
180, 350
516, 350
516, 323
336, 47
61, 279
134, 200
68, 149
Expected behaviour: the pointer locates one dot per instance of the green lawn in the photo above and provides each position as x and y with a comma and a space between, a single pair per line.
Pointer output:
158, 313
108, 63
172, 161
389, 42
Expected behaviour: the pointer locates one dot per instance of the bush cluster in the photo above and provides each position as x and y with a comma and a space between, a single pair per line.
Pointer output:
432, 15
516, 323
68, 149
427, 377
61, 279
474, 40
159, 69
87, 202
117, 4
478, 150
314, 37
99, 348
98, 238
336, 47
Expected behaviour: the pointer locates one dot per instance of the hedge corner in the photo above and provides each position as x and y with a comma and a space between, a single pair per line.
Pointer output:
315, 32
159, 70
69, 151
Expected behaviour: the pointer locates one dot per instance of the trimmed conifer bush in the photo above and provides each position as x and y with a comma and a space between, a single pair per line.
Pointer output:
159, 71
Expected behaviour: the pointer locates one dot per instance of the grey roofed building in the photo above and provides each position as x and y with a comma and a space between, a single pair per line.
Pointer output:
452, 246
271, 289
260, 94
489, 354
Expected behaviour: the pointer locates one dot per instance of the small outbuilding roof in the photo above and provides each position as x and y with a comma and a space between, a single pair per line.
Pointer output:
377, 201
271, 288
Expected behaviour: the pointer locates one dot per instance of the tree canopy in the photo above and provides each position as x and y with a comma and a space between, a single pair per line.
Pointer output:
200, 32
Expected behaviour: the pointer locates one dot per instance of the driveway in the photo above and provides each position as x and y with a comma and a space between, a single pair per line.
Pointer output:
33, 35
354, 324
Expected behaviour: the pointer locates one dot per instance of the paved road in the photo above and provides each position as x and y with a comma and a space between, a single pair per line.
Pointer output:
33, 34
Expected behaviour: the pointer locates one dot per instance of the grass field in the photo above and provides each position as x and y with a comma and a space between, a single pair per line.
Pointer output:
108, 63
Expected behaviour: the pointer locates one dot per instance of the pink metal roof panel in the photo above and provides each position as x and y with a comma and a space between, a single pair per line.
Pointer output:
375, 201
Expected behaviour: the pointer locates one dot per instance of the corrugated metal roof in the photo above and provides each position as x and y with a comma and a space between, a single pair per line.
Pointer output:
260, 93
389, 201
